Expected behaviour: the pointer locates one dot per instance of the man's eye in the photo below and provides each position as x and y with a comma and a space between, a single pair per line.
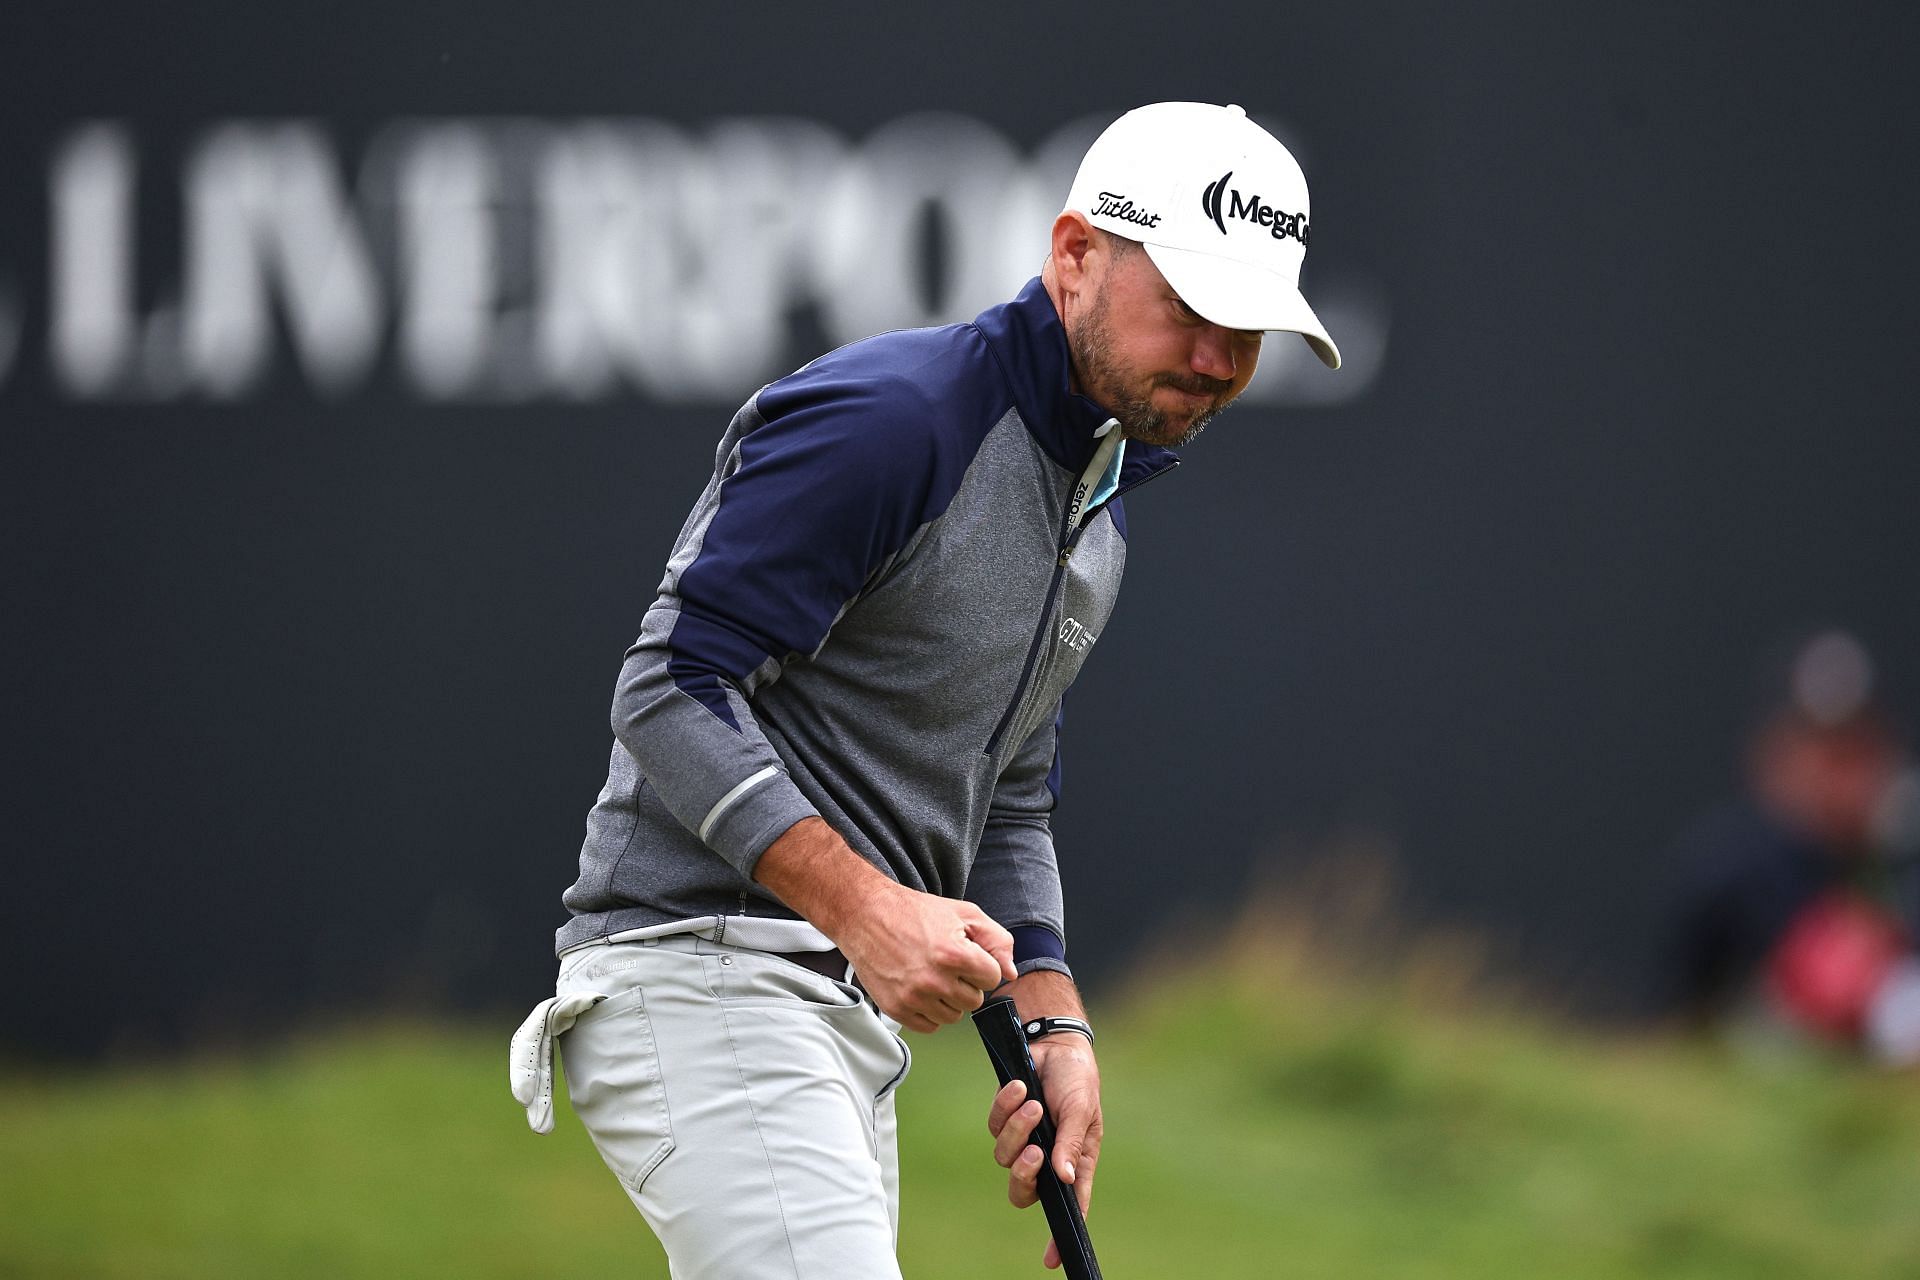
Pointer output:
1186, 312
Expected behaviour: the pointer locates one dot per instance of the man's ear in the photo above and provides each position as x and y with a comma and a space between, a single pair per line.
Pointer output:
1072, 241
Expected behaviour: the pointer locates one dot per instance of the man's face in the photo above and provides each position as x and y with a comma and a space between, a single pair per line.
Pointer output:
1148, 359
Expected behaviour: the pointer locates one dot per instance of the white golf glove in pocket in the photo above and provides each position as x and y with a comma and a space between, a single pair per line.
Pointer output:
530, 1061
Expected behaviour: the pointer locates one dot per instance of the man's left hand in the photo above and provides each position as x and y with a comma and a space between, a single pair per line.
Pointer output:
1070, 1078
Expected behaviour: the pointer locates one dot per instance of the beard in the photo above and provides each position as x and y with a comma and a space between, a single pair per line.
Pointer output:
1109, 385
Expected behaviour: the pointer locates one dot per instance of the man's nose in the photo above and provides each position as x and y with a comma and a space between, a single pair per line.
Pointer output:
1213, 353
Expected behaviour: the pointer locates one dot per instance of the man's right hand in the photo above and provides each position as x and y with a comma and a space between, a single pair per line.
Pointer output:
926, 960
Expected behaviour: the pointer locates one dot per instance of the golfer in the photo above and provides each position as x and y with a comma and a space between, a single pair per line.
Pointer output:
825, 818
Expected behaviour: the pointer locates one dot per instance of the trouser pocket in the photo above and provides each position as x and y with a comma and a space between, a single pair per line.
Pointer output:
764, 997
615, 1083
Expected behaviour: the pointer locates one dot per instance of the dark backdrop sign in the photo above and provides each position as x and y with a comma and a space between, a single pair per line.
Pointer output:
521, 260
356, 369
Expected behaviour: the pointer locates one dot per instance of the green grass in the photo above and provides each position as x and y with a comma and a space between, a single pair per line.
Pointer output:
1263, 1123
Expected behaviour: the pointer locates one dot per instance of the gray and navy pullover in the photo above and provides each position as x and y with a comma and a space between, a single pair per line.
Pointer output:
871, 615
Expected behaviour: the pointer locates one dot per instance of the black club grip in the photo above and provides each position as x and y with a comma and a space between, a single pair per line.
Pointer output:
1000, 1031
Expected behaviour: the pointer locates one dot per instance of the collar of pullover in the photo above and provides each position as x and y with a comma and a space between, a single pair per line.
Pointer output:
1031, 344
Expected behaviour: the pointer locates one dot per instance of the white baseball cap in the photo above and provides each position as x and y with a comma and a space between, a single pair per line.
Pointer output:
1220, 206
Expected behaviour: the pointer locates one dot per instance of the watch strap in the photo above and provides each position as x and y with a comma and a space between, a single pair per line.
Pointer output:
1037, 1027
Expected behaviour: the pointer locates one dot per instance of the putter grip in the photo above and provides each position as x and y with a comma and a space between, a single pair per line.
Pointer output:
999, 1027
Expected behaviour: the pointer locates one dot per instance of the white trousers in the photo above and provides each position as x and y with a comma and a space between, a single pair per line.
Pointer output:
746, 1105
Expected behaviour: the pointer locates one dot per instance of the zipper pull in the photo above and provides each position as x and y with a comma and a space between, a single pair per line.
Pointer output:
1066, 553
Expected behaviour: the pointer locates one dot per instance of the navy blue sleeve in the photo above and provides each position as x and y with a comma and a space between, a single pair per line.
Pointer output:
835, 482
818, 484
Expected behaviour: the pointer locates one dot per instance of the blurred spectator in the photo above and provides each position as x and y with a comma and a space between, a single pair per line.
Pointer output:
1799, 906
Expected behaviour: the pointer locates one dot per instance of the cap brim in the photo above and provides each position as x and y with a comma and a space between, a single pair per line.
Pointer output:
1236, 295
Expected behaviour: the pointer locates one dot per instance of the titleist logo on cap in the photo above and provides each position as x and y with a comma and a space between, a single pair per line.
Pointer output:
1111, 204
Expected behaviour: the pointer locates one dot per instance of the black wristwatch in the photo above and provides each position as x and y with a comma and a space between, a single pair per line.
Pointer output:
1053, 1026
